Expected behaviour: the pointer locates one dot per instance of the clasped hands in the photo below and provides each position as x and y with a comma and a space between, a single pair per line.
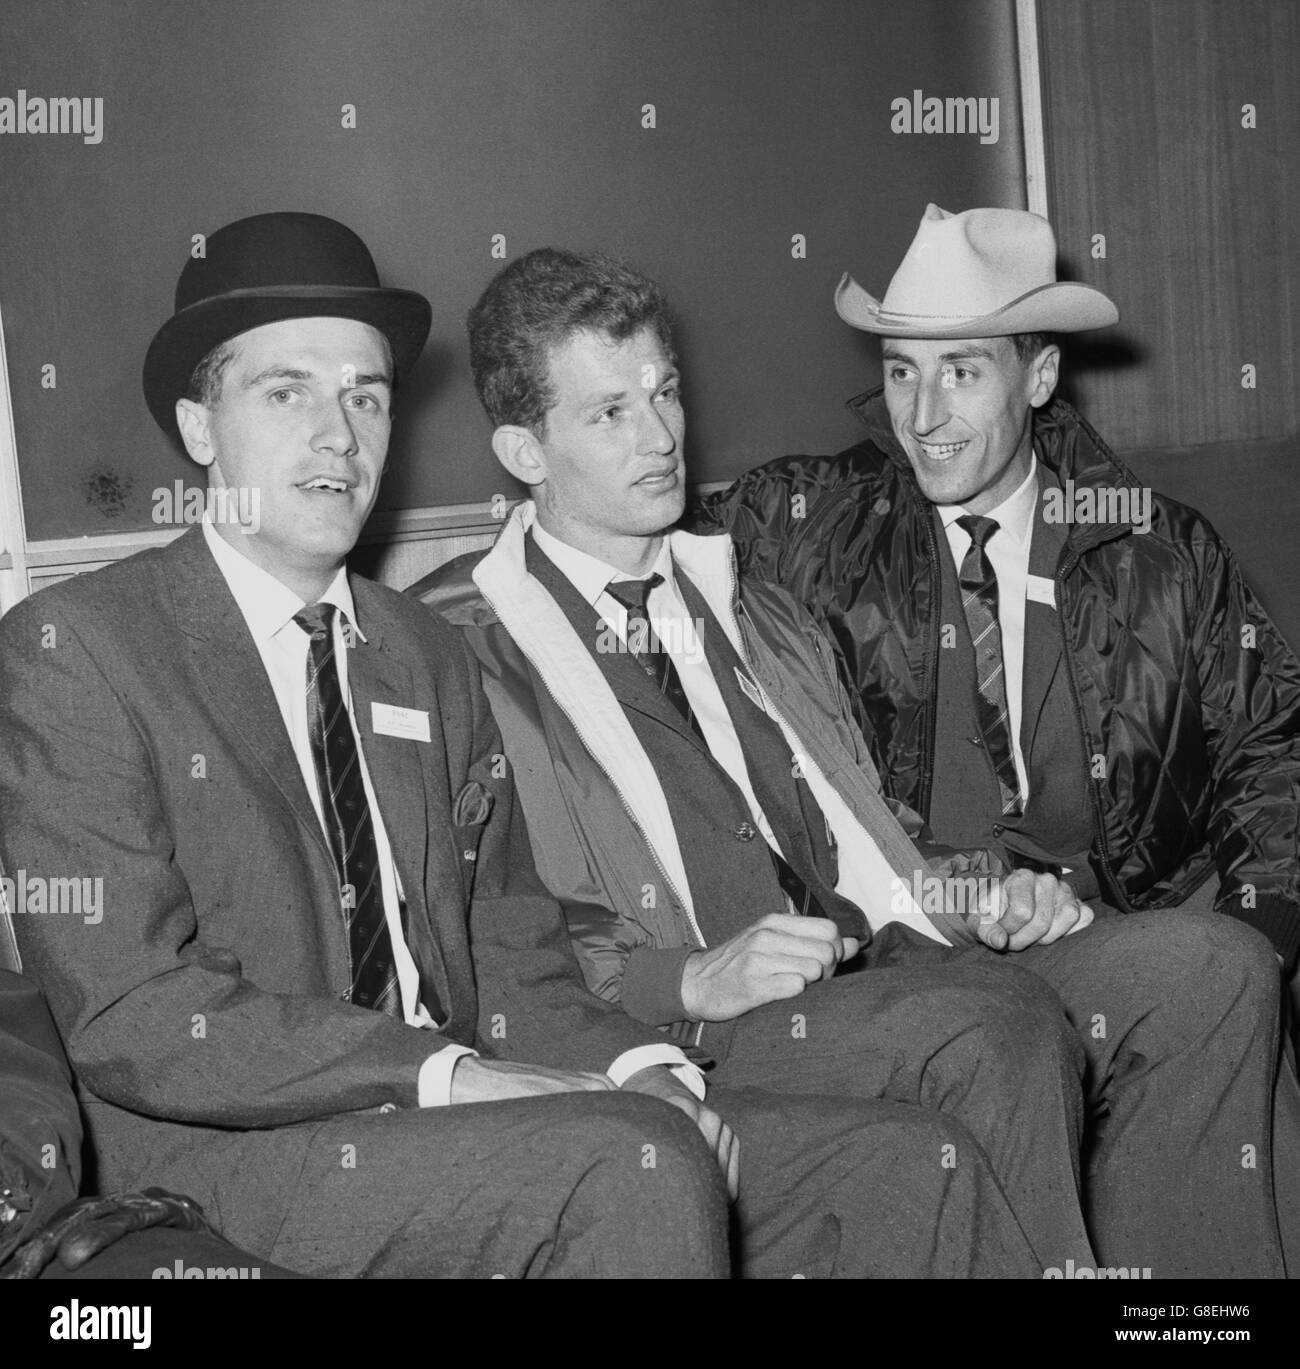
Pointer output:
1032, 909
782, 954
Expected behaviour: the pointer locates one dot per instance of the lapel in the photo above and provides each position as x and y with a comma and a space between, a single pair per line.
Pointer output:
228, 670
632, 687
562, 663
1042, 622
377, 675
225, 663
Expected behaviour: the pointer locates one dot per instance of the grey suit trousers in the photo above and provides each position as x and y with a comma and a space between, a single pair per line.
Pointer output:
1192, 1160
578, 1185
982, 1044
614, 1185
1192, 1145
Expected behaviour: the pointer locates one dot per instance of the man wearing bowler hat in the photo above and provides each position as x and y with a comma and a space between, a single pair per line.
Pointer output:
284, 776
319, 896
1046, 658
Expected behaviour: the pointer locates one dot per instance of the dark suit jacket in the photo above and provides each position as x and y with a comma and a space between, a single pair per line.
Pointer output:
140, 743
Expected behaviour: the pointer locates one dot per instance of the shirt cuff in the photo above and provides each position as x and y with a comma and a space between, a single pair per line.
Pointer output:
644, 1057
434, 1086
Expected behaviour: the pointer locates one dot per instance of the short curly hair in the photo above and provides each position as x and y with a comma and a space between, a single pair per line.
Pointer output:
537, 303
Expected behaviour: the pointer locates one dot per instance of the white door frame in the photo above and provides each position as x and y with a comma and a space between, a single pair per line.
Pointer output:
1031, 106
13, 527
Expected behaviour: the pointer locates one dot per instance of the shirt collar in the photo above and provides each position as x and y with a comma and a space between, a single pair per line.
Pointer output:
588, 574
267, 604
1014, 515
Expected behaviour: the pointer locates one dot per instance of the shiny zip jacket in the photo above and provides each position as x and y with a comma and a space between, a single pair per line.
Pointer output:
1188, 699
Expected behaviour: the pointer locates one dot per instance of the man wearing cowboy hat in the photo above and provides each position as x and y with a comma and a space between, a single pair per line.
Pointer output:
1046, 659
1128, 714
701, 800
285, 777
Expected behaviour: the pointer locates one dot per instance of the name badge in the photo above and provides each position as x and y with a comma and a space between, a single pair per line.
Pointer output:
750, 690
411, 724
1041, 590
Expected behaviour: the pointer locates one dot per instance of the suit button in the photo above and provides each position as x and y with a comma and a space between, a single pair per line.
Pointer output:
746, 832
998, 829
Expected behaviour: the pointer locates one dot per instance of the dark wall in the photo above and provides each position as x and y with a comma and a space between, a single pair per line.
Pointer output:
1148, 146
479, 117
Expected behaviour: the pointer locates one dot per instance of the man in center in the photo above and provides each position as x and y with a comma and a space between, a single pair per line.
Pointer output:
703, 804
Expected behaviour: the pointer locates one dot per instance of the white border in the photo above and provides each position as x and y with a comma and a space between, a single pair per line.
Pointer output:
1031, 106
13, 529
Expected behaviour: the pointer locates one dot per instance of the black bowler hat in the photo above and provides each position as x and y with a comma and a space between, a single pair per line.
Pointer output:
267, 268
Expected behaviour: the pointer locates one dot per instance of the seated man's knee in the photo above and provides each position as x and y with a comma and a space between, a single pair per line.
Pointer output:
1229, 958
628, 1137
1016, 1021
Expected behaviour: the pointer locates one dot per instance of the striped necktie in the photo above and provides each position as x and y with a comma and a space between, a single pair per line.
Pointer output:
348, 821
979, 601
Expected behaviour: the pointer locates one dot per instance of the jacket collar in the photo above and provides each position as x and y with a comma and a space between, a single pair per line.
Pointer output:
541, 630
205, 608
229, 670
622, 672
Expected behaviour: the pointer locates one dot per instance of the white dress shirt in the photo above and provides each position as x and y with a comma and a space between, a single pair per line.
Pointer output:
1008, 553
268, 607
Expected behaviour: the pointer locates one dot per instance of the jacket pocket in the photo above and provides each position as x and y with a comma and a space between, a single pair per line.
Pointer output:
472, 805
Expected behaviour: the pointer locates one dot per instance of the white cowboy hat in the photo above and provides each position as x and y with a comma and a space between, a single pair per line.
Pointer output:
984, 273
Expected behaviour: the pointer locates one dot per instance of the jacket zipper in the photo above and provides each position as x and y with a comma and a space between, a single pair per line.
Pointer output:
828, 672
733, 599
1098, 819
930, 672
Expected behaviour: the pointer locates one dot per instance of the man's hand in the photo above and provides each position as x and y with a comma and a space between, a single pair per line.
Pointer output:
1034, 908
489, 1081
660, 1082
86, 1226
778, 957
